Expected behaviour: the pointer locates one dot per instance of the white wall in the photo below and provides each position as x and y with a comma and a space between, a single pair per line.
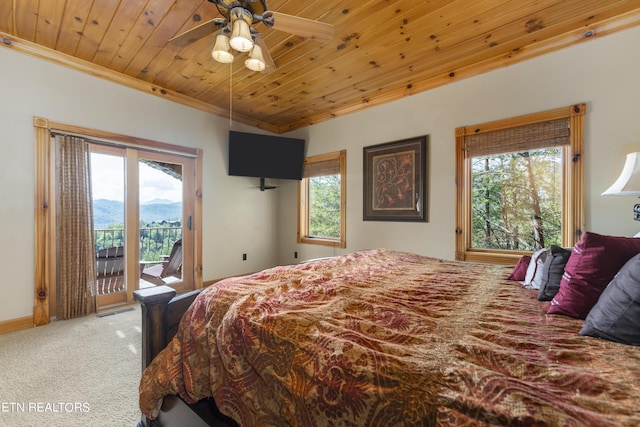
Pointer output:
602, 72
238, 218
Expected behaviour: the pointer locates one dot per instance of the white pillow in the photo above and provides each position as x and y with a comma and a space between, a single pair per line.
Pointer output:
533, 277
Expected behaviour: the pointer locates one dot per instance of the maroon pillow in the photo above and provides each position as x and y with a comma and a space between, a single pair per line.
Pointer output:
595, 260
520, 270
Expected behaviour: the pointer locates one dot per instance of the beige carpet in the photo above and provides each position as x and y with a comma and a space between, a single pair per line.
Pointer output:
77, 372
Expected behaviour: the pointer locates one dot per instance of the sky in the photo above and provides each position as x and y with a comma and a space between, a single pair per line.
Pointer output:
108, 181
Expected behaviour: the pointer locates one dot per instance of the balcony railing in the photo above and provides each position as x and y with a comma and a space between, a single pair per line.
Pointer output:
154, 243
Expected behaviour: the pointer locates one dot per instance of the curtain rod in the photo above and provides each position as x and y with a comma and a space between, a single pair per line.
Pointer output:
55, 133
125, 144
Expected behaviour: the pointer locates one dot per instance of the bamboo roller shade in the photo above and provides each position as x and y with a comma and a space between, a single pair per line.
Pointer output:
527, 137
321, 168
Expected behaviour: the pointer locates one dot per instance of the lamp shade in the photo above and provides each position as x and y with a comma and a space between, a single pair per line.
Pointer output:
241, 39
221, 51
628, 183
255, 62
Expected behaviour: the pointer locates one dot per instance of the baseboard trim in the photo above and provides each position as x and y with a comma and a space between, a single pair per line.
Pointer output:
18, 324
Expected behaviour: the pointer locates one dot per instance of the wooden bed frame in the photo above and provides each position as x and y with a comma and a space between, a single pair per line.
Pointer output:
161, 314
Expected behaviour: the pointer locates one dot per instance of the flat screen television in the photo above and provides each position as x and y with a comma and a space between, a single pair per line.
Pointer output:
265, 156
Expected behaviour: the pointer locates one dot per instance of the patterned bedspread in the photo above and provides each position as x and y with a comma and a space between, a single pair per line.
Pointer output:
385, 338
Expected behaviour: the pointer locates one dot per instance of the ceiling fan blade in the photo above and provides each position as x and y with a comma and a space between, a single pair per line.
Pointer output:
194, 34
302, 27
268, 60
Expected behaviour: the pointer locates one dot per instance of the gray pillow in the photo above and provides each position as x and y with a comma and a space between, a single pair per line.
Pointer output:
552, 272
616, 315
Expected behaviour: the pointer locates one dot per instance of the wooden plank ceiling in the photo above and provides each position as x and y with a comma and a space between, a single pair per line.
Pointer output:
381, 50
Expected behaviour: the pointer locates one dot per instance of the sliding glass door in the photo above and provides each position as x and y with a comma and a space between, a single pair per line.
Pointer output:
120, 189
108, 193
143, 221
165, 219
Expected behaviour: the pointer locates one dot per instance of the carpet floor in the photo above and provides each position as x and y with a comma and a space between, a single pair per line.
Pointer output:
77, 372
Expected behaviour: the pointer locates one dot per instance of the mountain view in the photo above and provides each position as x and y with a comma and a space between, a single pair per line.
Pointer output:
107, 212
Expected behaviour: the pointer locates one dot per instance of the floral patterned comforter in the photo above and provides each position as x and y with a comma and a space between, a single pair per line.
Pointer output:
386, 338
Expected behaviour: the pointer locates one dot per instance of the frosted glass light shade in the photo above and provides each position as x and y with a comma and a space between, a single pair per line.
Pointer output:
628, 183
241, 36
255, 62
221, 52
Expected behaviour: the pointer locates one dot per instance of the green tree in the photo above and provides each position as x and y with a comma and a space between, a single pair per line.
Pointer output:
156, 240
517, 200
324, 206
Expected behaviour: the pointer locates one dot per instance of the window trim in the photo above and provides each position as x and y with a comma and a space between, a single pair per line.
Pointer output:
572, 190
303, 203
44, 235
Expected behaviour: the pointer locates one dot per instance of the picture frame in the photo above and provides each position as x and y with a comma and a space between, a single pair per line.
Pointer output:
394, 176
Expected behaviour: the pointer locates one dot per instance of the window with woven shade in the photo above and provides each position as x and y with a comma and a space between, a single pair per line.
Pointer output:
519, 185
322, 200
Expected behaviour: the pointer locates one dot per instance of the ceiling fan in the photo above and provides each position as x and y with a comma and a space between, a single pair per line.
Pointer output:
237, 33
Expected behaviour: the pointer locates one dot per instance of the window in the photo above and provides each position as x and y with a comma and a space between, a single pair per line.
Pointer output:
519, 185
322, 200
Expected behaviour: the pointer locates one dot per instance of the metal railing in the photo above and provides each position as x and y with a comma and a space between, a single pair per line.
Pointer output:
158, 241
154, 241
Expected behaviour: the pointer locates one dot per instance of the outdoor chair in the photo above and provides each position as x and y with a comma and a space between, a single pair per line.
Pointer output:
110, 270
165, 271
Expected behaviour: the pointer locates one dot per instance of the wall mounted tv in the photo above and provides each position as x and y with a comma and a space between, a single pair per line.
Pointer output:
265, 156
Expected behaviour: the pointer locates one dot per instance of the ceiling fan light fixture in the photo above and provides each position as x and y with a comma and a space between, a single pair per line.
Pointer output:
221, 51
255, 62
241, 39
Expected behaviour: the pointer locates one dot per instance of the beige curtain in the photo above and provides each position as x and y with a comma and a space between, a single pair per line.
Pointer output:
76, 258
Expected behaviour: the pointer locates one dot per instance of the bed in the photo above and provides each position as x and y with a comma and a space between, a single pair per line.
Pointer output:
377, 338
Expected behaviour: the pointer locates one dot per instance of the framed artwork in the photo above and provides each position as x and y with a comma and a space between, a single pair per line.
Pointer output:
395, 181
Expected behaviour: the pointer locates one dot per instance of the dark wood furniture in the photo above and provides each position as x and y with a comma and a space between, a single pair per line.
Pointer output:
161, 314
